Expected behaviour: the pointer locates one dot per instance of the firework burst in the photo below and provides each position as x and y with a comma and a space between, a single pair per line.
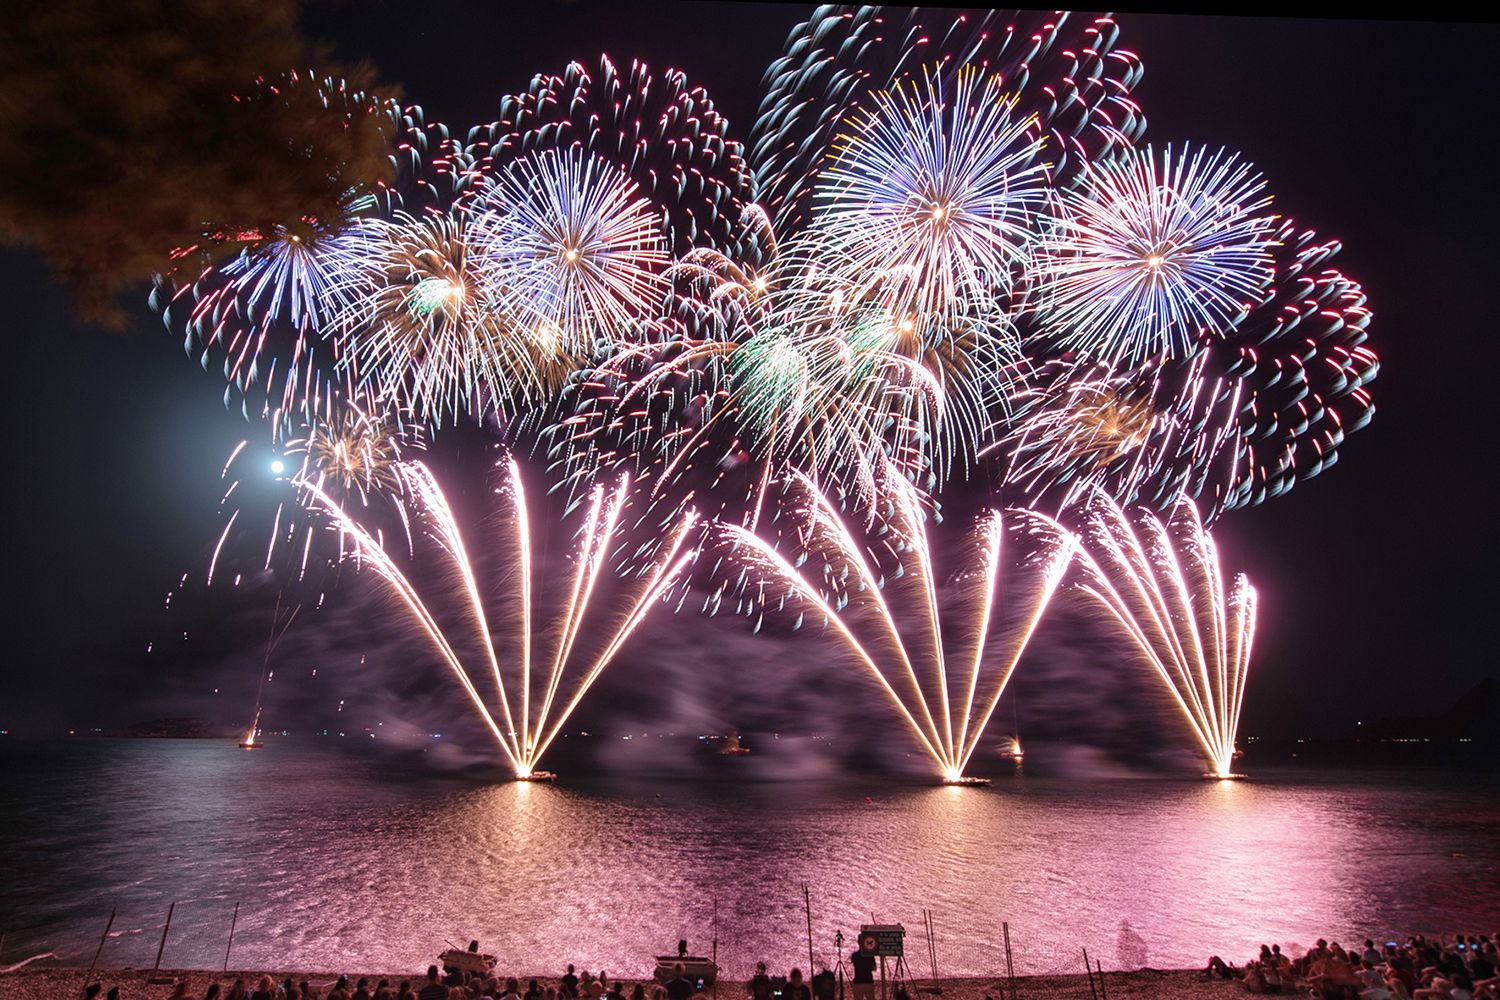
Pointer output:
525, 708
1145, 258
661, 131
928, 201
1162, 584
1067, 71
420, 329
570, 250
945, 686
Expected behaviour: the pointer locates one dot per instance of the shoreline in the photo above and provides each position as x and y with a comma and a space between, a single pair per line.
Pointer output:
66, 983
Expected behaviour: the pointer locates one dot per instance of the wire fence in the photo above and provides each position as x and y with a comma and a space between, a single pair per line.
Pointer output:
200, 935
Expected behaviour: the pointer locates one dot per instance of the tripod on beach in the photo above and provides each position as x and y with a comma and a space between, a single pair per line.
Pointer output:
838, 960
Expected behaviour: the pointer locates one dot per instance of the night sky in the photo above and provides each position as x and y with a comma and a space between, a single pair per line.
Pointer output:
1377, 578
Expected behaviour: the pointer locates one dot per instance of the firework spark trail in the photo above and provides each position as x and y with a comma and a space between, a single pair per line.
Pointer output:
1161, 581
523, 744
849, 574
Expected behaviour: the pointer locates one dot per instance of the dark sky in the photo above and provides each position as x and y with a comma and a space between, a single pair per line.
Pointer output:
1377, 578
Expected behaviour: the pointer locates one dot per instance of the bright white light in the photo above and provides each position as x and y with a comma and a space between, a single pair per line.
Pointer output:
278, 466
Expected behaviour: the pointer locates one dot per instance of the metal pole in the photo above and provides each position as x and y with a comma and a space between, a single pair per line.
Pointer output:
232, 921
1089, 971
1100, 966
931, 949
102, 938
807, 905
715, 954
164, 928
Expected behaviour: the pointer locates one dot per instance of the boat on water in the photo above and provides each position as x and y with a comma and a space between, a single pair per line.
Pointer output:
537, 776
474, 962
697, 969
1011, 750
733, 747
965, 780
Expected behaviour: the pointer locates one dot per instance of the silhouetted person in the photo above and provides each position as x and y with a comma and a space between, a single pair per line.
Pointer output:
796, 989
569, 984
432, 989
680, 988
760, 983
863, 964
824, 985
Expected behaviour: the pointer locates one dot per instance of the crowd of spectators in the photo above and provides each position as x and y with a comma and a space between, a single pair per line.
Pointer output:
1421, 968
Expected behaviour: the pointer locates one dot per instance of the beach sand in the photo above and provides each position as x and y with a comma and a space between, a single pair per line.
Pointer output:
67, 984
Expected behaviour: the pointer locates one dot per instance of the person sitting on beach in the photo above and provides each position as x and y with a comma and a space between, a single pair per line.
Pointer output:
1373, 985
1254, 978
237, 991
512, 990
265, 990
796, 989
361, 989
340, 989
613, 992
824, 985
1218, 967
1482, 962
212, 993
1434, 986
1314, 955
759, 985
639, 993
533, 991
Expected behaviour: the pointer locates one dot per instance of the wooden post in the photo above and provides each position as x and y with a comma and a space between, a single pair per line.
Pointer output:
102, 938
1089, 970
1100, 967
807, 905
931, 948
232, 921
882, 977
1010, 969
165, 927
